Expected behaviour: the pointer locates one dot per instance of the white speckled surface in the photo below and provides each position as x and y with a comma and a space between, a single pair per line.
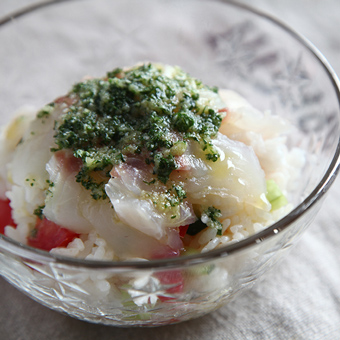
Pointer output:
299, 299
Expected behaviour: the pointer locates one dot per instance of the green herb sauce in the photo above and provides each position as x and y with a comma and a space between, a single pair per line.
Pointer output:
138, 111
211, 217
39, 211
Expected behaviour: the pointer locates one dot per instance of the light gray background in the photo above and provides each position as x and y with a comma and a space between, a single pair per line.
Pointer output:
299, 299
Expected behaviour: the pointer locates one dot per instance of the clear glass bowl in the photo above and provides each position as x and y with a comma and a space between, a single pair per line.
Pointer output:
48, 47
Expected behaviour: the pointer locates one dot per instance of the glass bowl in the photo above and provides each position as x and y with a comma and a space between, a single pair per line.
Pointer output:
49, 46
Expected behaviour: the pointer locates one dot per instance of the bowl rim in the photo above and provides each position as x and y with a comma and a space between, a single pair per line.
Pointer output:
184, 261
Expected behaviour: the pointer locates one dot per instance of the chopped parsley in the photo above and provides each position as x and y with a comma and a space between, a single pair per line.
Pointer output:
138, 111
164, 166
31, 181
39, 212
46, 111
210, 218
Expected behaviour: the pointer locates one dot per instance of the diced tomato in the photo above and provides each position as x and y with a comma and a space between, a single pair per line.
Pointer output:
5, 215
48, 235
183, 230
174, 278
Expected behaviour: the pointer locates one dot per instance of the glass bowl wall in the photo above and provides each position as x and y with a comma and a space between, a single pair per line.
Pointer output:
45, 50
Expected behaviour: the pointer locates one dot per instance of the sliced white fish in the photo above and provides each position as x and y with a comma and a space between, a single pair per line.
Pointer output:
234, 180
71, 206
31, 156
138, 204
10, 137
27, 169
242, 117
127, 242
65, 204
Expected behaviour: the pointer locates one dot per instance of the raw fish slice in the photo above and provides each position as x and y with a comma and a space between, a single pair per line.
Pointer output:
65, 204
27, 171
242, 117
127, 242
10, 137
30, 158
134, 202
235, 179
70, 205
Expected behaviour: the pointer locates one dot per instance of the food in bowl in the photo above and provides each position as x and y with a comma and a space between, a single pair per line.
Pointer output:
146, 162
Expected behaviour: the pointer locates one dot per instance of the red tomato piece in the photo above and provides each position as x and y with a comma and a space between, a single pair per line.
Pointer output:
5, 215
183, 230
174, 278
48, 235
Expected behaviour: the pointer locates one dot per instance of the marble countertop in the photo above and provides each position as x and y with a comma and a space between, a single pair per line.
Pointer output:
298, 299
